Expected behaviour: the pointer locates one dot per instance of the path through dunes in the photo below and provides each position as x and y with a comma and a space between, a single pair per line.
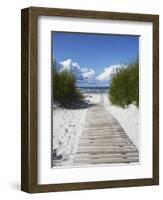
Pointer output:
103, 140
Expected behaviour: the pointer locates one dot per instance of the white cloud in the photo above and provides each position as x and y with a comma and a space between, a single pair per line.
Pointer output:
69, 65
108, 72
80, 73
87, 75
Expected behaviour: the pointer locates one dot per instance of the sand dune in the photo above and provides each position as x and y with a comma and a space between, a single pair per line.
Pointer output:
68, 126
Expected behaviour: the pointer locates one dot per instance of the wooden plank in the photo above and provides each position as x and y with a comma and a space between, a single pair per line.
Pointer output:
103, 141
103, 137
104, 134
106, 151
98, 127
103, 148
114, 141
105, 161
111, 140
101, 130
114, 155
104, 145
114, 132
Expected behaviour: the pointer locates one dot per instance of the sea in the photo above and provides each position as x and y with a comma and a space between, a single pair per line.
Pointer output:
93, 89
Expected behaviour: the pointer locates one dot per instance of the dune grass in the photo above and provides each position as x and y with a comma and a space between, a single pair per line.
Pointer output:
64, 88
124, 87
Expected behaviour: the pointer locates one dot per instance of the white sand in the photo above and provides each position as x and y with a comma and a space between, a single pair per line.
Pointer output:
67, 128
92, 97
127, 117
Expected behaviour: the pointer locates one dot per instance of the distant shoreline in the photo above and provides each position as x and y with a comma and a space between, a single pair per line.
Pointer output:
93, 89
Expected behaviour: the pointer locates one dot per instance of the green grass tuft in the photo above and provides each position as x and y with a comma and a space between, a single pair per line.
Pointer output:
124, 88
64, 89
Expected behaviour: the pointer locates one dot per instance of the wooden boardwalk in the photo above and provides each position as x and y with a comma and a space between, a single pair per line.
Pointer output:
103, 140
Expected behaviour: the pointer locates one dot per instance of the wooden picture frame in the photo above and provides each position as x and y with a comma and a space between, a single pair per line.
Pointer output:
29, 110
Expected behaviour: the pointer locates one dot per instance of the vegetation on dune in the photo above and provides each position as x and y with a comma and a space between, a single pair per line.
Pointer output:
64, 89
124, 87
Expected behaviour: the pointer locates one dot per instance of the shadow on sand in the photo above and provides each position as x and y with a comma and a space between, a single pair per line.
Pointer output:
75, 105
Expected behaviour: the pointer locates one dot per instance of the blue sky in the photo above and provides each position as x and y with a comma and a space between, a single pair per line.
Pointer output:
94, 51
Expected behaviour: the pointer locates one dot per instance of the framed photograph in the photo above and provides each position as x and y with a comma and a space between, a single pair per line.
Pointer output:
90, 99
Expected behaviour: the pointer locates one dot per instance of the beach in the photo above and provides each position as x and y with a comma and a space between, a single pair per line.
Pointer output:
70, 125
